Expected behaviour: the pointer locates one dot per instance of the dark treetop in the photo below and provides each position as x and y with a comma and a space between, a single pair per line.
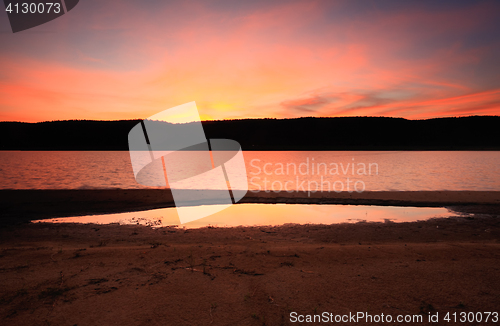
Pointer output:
346, 133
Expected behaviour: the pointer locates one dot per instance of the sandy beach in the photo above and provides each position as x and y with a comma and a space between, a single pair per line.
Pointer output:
76, 274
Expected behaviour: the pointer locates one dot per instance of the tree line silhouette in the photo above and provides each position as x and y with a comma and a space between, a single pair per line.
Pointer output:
310, 133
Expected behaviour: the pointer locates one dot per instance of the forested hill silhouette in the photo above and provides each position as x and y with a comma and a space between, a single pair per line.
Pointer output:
343, 133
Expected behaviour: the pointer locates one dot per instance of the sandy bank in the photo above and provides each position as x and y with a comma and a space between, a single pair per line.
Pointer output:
39, 204
131, 275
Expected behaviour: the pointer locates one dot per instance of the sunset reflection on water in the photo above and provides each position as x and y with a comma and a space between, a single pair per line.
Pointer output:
267, 214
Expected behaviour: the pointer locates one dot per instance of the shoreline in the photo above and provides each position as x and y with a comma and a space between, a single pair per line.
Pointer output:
23, 205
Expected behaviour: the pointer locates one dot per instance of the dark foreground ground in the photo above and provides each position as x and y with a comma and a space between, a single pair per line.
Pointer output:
132, 275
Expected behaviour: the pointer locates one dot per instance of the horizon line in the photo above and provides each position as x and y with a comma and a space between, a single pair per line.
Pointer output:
240, 119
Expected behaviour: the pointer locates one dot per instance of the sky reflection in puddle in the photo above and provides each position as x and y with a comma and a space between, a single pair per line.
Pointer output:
267, 214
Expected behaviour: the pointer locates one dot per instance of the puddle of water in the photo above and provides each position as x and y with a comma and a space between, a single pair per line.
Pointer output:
267, 214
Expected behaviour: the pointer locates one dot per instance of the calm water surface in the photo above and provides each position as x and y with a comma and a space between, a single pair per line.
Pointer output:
375, 171
268, 214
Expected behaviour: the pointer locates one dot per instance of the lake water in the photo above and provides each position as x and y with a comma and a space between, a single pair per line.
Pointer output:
268, 214
287, 170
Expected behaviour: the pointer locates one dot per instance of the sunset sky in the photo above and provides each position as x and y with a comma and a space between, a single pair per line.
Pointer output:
127, 59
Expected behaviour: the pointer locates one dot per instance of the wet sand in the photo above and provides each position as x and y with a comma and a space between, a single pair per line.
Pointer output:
76, 274
63, 274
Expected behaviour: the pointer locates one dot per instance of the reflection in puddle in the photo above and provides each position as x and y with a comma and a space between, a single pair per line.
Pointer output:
267, 214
